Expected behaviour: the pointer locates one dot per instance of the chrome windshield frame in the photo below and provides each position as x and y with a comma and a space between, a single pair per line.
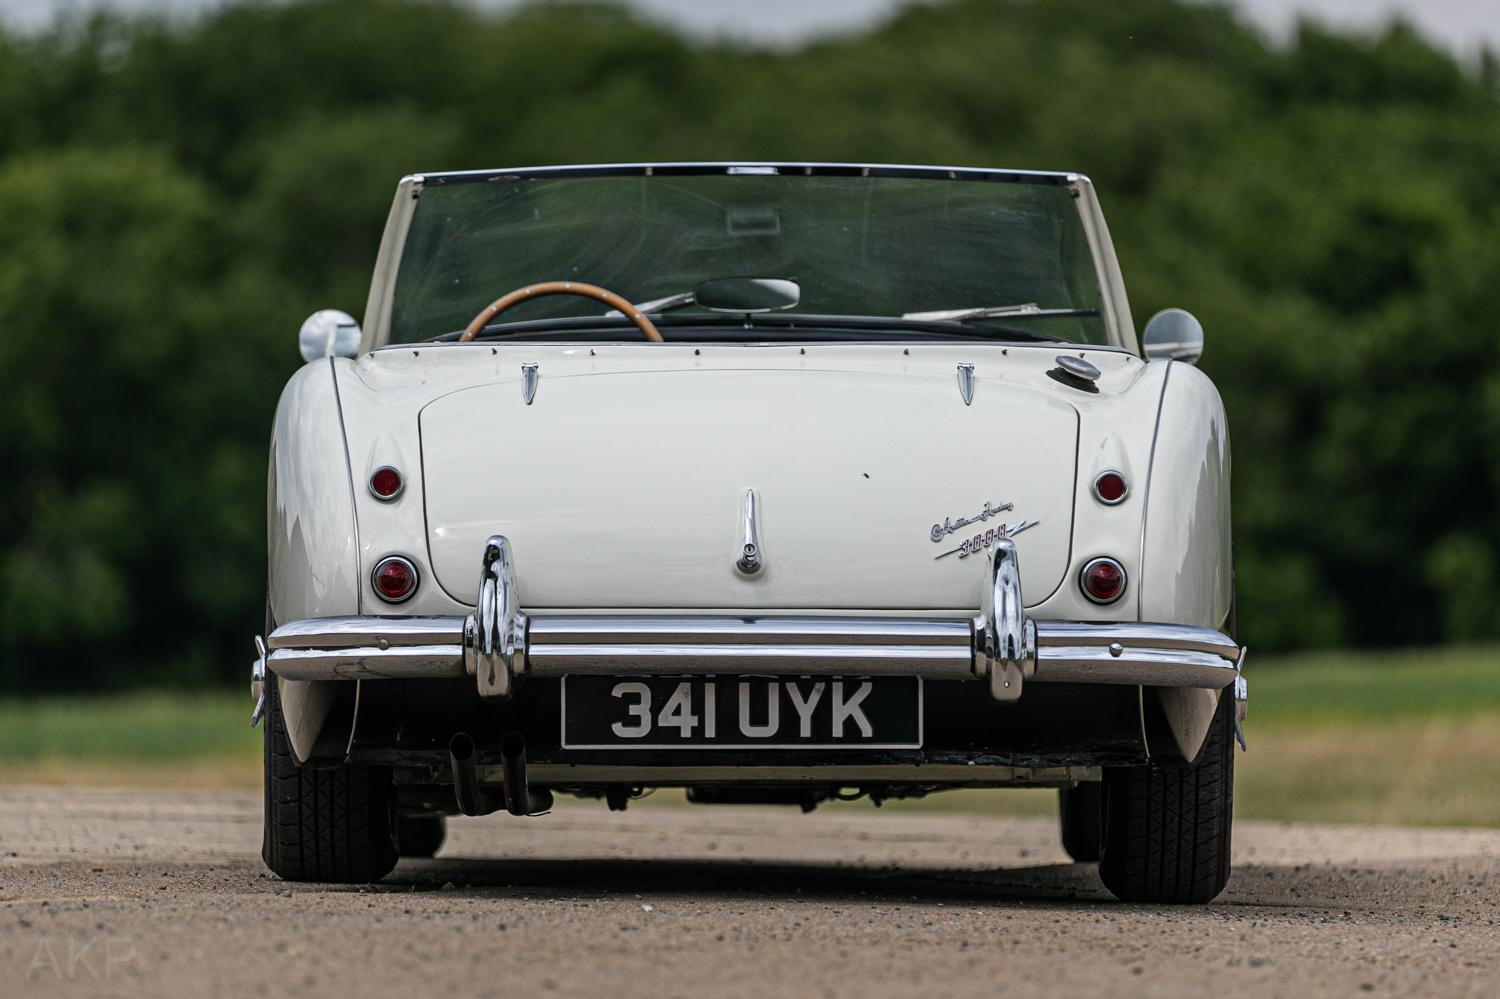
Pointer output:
1119, 328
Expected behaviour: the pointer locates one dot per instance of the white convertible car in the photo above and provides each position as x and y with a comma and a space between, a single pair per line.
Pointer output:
780, 483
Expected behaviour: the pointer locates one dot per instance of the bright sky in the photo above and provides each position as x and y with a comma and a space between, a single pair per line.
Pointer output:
1463, 25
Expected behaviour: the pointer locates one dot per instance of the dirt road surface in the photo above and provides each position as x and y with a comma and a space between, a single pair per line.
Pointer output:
117, 893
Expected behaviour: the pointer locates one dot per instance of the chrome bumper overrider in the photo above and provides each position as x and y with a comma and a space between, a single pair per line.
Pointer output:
498, 644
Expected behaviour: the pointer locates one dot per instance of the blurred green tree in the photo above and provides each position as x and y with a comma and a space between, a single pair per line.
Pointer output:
175, 196
105, 459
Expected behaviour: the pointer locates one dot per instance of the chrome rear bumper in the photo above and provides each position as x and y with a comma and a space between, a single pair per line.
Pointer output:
499, 644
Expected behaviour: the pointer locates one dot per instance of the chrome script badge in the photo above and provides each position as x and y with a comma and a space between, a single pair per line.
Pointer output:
948, 526
983, 539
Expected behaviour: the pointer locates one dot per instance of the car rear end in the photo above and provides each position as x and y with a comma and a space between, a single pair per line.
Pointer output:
782, 568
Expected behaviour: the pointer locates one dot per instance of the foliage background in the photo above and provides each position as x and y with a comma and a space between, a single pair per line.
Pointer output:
175, 198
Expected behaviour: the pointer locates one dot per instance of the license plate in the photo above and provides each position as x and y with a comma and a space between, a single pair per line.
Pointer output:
732, 712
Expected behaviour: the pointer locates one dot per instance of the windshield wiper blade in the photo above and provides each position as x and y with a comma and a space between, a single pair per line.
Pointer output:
666, 304
973, 312
1029, 310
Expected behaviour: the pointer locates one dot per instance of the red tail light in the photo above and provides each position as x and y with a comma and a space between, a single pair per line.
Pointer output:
1110, 488
1103, 580
395, 579
385, 483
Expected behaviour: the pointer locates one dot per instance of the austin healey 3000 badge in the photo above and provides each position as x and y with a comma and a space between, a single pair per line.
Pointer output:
983, 539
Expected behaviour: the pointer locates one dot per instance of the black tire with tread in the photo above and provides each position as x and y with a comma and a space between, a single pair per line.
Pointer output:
323, 825
1167, 826
1080, 813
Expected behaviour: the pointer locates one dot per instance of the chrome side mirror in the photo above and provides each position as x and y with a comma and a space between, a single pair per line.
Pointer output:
328, 333
1173, 335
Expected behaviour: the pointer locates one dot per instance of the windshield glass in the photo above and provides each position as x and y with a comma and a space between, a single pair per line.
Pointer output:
980, 256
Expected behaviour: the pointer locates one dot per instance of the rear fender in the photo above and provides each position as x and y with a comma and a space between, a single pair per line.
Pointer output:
1164, 430
312, 543
1186, 564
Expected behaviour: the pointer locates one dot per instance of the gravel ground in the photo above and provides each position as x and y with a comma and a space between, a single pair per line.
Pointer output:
162, 893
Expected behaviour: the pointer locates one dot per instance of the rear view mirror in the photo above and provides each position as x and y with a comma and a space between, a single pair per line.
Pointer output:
747, 294
328, 333
1173, 334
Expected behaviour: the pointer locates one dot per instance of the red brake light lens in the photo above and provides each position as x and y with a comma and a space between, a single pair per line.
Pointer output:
1103, 580
395, 579
1110, 488
385, 483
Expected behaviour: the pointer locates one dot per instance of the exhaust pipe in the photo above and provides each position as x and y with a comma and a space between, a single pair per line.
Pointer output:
519, 798
473, 799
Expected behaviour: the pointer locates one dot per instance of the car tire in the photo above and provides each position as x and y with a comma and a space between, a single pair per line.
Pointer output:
1080, 812
420, 835
323, 825
1167, 826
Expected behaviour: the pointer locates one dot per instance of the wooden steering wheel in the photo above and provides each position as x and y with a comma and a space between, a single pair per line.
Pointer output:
499, 305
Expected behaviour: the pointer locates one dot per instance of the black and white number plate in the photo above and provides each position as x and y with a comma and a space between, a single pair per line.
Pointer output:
732, 712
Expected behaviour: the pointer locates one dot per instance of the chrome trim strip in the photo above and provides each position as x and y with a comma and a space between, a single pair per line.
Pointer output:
406, 662
1140, 563
1112, 296
348, 632
577, 630
937, 662
1145, 666
1136, 633
376, 329
805, 168
359, 552
359, 556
